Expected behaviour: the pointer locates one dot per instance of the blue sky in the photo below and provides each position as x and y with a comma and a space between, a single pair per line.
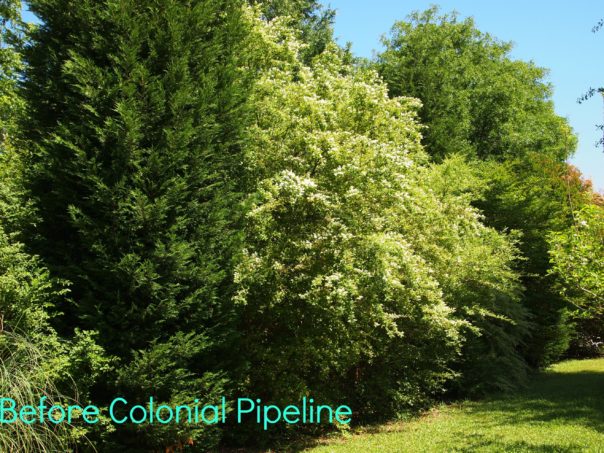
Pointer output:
554, 34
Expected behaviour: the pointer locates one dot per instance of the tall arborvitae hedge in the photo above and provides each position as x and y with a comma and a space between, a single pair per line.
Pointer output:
135, 113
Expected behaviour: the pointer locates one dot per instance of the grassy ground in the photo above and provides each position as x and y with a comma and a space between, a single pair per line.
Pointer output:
562, 411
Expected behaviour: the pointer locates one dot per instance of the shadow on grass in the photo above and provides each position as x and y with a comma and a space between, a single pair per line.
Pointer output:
576, 398
552, 399
479, 442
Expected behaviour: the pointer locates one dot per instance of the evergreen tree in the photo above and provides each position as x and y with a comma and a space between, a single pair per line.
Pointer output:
14, 211
135, 112
34, 360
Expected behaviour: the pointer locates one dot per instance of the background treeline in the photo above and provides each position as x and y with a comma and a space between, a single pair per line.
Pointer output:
210, 198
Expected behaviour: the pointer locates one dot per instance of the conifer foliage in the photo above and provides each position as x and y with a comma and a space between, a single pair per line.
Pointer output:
133, 128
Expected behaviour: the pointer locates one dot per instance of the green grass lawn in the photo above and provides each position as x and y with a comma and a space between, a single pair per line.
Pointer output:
561, 411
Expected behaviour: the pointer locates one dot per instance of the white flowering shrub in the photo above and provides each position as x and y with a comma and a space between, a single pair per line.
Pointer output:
355, 259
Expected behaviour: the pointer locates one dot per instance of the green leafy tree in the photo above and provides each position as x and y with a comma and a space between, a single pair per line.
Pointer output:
357, 277
496, 112
534, 195
476, 99
332, 293
577, 256
310, 18
475, 266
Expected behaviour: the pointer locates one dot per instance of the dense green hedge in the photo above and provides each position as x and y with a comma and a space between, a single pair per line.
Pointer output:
207, 198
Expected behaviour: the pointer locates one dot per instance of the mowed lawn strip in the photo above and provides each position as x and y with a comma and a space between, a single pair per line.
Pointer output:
561, 411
